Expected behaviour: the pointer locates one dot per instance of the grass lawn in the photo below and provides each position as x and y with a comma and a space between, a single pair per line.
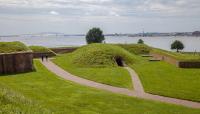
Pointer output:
165, 79
63, 97
114, 76
12, 102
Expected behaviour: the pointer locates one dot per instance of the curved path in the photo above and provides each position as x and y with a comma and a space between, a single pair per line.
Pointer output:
137, 92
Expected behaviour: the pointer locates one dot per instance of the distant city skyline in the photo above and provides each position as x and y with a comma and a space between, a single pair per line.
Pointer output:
112, 16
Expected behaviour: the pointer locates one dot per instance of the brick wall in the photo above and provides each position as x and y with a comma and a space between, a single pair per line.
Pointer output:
16, 63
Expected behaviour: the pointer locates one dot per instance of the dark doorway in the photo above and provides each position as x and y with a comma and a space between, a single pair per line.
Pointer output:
119, 61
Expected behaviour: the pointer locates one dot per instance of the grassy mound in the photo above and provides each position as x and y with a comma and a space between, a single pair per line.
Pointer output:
9, 47
40, 49
136, 48
101, 55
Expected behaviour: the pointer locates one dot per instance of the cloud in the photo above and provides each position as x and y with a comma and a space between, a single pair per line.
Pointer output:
112, 13
53, 13
148, 8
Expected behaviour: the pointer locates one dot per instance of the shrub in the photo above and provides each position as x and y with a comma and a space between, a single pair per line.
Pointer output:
140, 41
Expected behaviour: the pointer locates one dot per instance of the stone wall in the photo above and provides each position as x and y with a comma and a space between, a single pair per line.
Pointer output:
39, 55
64, 50
165, 58
180, 64
16, 63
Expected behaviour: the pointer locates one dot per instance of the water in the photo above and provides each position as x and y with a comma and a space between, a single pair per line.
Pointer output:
191, 43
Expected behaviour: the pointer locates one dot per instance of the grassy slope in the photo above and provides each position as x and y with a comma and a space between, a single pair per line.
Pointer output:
12, 102
115, 76
39, 49
168, 80
136, 48
63, 97
179, 56
8, 47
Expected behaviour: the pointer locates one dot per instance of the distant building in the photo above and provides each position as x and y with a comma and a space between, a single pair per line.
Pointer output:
196, 33
180, 34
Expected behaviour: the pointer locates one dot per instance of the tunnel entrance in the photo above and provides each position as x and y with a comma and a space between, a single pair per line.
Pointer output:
119, 61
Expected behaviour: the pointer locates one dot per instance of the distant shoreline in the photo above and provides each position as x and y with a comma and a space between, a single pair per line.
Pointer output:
145, 34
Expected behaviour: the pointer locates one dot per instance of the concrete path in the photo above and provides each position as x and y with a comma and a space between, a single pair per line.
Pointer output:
137, 92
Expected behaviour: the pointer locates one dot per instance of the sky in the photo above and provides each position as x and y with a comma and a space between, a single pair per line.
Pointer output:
112, 16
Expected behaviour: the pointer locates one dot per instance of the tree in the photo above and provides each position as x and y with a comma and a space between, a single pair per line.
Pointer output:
95, 35
178, 45
140, 41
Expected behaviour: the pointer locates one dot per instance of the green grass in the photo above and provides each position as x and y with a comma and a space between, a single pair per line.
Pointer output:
165, 79
100, 55
64, 97
12, 102
178, 56
136, 48
97, 62
39, 49
115, 76
192, 53
9, 47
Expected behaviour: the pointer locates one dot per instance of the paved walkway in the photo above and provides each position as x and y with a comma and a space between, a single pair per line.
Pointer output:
137, 92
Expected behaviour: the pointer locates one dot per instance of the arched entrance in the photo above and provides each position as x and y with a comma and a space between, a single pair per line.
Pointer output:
119, 61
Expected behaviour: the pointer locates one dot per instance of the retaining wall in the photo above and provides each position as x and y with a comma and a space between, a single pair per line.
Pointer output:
178, 63
165, 58
16, 63
189, 64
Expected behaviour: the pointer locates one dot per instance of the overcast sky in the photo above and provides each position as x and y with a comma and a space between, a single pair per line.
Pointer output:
113, 16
